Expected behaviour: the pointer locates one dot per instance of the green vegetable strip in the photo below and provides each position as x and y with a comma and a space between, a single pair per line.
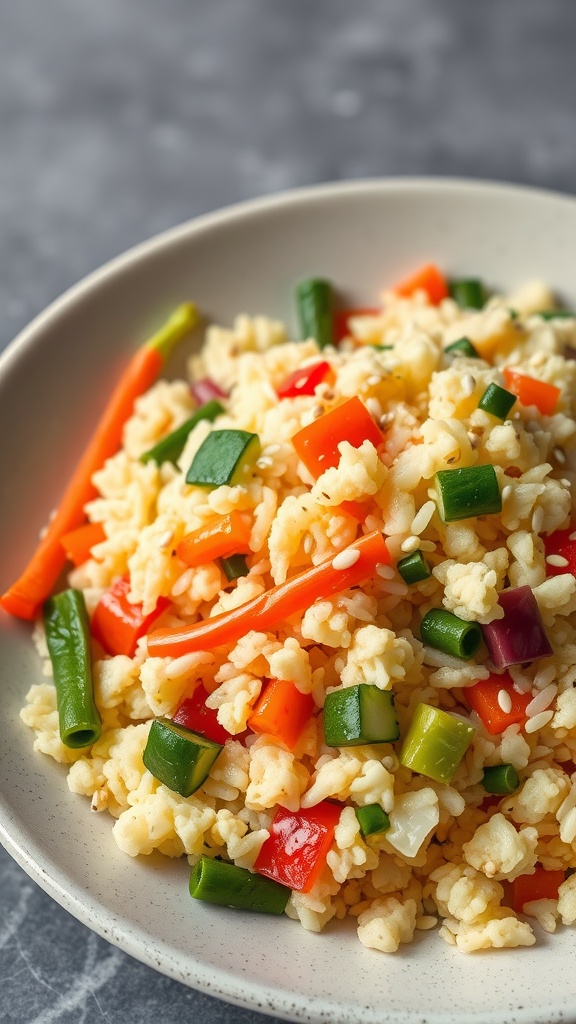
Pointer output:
224, 457
463, 493
234, 567
360, 714
468, 293
414, 568
177, 326
435, 743
216, 881
177, 757
462, 347
314, 305
501, 778
497, 401
555, 314
446, 632
170, 448
372, 819
68, 639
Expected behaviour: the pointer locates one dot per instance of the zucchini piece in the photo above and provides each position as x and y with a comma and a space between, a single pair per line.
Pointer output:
177, 757
225, 457
360, 714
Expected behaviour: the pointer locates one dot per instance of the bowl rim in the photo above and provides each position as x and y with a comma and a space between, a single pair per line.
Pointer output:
212, 980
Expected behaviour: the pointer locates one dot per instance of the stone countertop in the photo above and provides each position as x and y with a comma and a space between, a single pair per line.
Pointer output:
123, 117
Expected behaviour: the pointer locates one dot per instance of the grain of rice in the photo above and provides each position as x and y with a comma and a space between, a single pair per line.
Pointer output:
271, 449
374, 380
557, 560
345, 559
386, 419
565, 481
166, 539
307, 543
546, 675
183, 582
427, 545
506, 492
468, 384
559, 455
542, 700
386, 572
437, 659
392, 587
538, 721
537, 519
180, 666
264, 462
425, 922
410, 544
505, 701
374, 407
422, 517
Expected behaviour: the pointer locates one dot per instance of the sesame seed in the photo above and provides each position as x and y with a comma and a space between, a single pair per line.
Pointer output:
538, 721
410, 544
559, 455
537, 519
423, 517
505, 701
345, 559
542, 700
557, 560
166, 539
385, 572
506, 492
468, 384
474, 440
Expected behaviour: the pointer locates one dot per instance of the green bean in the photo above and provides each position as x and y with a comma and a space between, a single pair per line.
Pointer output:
68, 639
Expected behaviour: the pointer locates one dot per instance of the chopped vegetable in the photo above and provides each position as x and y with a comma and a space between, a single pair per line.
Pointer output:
542, 885
178, 758
295, 852
215, 881
305, 380
464, 493
224, 457
317, 443
428, 279
234, 567
372, 820
78, 543
342, 316
556, 314
435, 743
226, 535
462, 347
446, 632
170, 448
497, 401
501, 779
530, 391
117, 624
26, 596
468, 292
413, 568
483, 698
68, 640
282, 711
205, 390
268, 610
559, 545
519, 637
360, 714
194, 715
314, 305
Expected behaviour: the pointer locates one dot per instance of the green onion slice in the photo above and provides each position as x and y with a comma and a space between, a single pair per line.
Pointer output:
169, 448
314, 305
372, 819
446, 632
462, 347
216, 881
234, 567
501, 778
469, 293
467, 492
435, 743
497, 401
414, 568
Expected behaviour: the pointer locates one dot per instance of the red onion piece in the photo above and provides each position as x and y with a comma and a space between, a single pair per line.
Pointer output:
205, 390
569, 352
519, 637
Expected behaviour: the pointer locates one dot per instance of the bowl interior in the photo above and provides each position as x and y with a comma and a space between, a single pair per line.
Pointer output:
53, 383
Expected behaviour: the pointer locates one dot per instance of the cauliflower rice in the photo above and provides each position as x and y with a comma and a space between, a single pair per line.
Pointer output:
449, 854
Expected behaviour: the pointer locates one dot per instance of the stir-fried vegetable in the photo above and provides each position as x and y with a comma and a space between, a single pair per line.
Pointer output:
360, 714
227, 535
194, 715
117, 624
305, 380
317, 443
372, 819
429, 279
519, 637
530, 391
435, 743
282, 712
497, 702
468, 292
500, 779
497, 401
446, 632
78, 543
177, 757
68, 640
215, 881
170, 448
295, 852
470, 491
224, 457
314, 305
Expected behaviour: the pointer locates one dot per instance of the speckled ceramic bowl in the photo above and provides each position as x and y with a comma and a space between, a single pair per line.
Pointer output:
53, 382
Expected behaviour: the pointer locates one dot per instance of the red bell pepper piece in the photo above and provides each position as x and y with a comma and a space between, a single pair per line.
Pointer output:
118, 624
542, 885
341, 317
530, 391
305, 380
428, 279
227, 535
483, 699
559, 543
295, 852
282, 711
317, 444
193, 714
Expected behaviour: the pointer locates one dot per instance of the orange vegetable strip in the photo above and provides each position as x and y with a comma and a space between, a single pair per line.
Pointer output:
227, 535
530, 391
428, 279
317, 443
265, 612
542, 885
26, 596
483, 699
282, 711
117, 624
78, 543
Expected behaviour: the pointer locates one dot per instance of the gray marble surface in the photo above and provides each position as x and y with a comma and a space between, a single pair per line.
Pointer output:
123, 117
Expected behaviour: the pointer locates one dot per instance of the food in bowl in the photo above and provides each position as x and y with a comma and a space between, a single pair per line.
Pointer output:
322, 612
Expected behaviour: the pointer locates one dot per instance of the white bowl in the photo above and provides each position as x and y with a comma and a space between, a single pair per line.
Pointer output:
53, 382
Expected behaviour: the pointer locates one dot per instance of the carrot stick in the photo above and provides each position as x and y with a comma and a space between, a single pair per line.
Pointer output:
26, 596
227, 535
78, 543
268, 610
